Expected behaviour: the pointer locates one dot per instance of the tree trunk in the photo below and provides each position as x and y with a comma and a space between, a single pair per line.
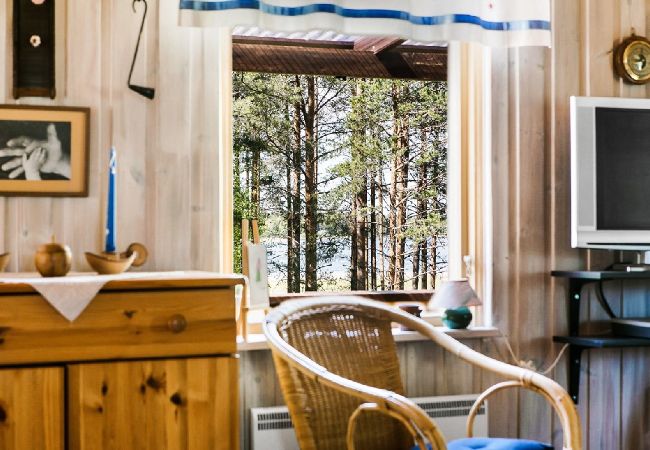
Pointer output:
432, 261
381, 232
353, 246
401, 166
255, 182
425, 265
415, 279
293, 260
360, 209
419, 258
392, 194
373, 232
311, 185
290, 238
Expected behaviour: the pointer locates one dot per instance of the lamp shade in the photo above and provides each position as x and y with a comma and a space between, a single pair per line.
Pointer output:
454, 294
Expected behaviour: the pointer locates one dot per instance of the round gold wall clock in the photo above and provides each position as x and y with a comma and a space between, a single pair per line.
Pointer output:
632, 59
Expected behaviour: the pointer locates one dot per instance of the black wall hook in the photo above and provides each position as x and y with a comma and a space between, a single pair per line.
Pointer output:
144, 91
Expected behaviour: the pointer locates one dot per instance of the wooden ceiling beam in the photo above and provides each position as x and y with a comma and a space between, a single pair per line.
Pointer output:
368, 57
286, 42
396, 65
376, 44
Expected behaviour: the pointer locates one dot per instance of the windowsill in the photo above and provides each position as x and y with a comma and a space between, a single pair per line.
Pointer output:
258, 341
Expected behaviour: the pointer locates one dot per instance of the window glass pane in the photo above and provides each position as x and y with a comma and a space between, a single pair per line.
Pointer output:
347, 178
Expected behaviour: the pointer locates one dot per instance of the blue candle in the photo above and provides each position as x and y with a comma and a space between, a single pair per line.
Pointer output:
111, 211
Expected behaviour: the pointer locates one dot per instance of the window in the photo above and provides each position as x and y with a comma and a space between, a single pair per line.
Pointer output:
346, 174
347, 178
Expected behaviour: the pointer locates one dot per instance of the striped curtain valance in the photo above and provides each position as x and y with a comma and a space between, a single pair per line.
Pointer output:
496, 23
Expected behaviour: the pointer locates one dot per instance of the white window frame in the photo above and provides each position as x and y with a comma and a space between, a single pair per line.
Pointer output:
469, 208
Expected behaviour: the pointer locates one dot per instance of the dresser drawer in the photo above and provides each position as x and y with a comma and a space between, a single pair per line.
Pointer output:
116, 325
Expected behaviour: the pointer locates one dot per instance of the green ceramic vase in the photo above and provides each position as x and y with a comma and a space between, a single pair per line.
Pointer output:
457, 318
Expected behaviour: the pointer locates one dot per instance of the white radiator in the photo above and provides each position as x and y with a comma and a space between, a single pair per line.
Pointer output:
271, 428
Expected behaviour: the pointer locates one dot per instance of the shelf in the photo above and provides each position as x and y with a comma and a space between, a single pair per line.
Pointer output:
594, 275
606, 341
577, 279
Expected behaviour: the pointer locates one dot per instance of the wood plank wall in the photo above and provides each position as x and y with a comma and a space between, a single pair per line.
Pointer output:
531, 223
167, 148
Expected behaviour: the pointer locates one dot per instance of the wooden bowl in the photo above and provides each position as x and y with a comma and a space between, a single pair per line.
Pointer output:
4, 260
110, 263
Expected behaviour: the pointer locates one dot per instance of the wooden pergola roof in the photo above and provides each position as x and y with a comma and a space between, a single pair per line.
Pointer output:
327, 53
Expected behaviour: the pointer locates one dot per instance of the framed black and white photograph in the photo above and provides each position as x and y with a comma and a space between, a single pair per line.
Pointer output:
44, 150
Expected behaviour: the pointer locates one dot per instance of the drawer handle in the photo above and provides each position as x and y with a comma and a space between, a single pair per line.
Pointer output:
177, 323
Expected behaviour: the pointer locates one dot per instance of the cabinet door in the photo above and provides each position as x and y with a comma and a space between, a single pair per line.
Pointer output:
179, 404
31, 409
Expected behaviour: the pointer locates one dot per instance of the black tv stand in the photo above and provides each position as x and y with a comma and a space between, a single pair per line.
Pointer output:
577, 343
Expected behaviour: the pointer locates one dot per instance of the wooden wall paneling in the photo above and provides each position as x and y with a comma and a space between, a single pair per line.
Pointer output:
633, 20
605, 379
126, 114
585, 328
635, 383
84, 81
177, 63
5, 21
422, 368
223, 185
532, 272
152, 201
259, 388
204, 153
563, 80
501, 191
31, 401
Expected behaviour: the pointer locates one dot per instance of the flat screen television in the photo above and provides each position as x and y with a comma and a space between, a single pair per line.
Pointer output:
610, 173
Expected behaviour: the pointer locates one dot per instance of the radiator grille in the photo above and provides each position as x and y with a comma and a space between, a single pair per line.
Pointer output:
272, 429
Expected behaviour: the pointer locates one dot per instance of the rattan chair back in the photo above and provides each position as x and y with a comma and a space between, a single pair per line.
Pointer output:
355, 343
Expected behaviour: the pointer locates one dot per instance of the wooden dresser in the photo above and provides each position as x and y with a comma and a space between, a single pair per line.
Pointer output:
150, 364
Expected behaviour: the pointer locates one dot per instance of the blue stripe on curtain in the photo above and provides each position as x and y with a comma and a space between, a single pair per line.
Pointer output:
199, 5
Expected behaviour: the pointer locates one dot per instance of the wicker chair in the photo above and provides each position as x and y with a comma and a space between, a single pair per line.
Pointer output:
337, 364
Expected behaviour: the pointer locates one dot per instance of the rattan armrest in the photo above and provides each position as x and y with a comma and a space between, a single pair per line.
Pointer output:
518, 376
507, 385
418, 436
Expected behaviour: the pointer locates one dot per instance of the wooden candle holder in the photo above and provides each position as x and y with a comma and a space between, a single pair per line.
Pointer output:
113, 263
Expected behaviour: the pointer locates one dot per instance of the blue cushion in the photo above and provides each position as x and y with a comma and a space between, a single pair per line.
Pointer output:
494, 444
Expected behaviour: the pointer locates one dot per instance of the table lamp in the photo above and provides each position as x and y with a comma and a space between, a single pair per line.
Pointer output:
456, 296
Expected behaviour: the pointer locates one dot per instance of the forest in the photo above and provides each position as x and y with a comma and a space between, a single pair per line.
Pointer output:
346, 177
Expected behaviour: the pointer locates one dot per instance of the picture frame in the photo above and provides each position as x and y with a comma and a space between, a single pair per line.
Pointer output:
44, 151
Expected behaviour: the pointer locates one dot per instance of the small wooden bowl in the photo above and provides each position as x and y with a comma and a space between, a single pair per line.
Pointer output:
110, 263
4, 260
113, 263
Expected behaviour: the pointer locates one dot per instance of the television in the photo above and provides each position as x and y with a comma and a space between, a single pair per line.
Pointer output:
610, 173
